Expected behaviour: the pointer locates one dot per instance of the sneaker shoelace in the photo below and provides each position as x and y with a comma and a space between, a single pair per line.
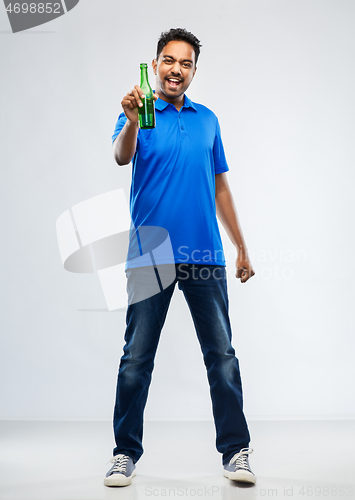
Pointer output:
120, 462
240, 459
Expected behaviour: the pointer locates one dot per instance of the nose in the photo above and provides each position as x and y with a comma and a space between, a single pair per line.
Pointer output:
176, 69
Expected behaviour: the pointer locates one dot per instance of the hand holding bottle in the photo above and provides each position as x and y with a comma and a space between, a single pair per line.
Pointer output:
138, 106
132, 101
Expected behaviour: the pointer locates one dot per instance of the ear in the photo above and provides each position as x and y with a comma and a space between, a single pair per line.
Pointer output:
154, 66
194, 71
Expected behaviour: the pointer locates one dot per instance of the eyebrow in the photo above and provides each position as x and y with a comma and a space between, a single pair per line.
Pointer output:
184, 60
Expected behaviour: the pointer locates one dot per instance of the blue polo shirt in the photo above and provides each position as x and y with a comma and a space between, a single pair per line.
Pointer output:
173, 182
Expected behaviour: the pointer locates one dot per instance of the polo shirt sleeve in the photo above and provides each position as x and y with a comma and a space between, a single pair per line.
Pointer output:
220, 162
119, 126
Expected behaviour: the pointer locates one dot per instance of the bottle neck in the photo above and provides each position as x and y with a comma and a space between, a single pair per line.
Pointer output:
144, 76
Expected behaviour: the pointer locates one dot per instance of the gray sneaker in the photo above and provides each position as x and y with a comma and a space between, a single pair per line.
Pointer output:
122, 471
238, 469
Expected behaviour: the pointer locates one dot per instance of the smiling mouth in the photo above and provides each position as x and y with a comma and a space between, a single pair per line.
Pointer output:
173, 82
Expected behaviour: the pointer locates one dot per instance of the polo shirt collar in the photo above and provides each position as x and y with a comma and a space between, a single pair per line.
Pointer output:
161, 105
188, 103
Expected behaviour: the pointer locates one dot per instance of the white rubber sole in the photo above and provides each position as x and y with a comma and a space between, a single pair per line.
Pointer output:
240, 475
119, 479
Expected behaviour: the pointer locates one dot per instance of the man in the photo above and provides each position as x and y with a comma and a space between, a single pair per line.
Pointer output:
179, 184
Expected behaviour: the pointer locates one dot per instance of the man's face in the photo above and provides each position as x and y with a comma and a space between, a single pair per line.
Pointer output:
174, 69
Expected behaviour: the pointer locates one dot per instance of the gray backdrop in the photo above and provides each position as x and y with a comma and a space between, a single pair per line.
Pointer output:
280, 77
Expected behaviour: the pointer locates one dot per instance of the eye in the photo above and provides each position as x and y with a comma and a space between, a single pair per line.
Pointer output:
187, 65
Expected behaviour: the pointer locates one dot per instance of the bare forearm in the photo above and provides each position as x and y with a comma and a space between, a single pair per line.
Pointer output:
227, 214
124, 146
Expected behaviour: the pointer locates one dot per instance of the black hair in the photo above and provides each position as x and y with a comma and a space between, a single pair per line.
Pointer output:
180, 34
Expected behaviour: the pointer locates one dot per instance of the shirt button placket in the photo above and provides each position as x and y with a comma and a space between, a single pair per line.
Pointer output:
181, 123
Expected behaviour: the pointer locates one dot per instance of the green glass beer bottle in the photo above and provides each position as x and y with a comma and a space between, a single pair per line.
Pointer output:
147, 111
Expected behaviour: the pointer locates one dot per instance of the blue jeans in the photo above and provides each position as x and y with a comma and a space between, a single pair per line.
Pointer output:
205, 290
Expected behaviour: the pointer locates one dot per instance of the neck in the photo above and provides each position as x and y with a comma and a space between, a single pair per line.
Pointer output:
178, 102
